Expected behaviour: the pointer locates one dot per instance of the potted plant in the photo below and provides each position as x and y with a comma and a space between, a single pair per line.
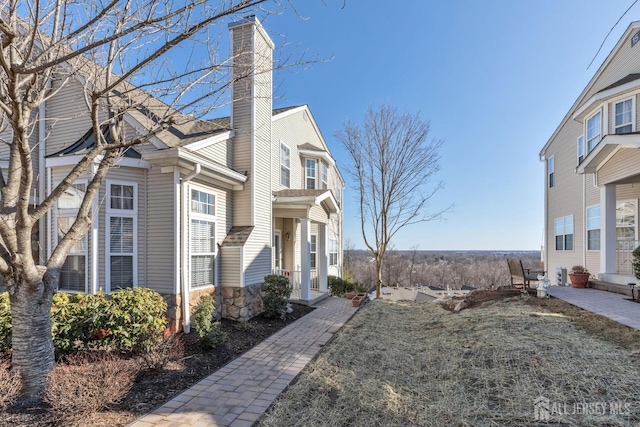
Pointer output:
579, 276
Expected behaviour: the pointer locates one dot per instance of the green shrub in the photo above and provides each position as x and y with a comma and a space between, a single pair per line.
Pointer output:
338, 286
203, 315
276, 296
215, 336
5, 322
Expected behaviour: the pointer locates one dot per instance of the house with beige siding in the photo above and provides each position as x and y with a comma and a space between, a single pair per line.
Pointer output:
592, 174
204, 207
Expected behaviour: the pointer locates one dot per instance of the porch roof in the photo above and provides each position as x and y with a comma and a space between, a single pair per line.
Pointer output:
605, 149
306, 197
237, 235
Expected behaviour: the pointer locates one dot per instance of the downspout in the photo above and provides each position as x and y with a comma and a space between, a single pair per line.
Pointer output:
585, 242
186, 314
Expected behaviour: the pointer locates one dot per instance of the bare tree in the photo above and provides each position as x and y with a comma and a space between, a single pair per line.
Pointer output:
393, 165
118, 51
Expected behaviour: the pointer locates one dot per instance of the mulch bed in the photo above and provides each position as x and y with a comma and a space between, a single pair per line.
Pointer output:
151, 389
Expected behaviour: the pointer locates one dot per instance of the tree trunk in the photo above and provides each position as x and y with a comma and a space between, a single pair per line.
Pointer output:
31, 339
378, 279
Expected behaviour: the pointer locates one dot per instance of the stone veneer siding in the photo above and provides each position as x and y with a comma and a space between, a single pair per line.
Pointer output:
174, 306
241, 304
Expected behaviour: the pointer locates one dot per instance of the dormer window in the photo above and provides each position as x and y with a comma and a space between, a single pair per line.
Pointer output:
311, 174
623, 111
594, 130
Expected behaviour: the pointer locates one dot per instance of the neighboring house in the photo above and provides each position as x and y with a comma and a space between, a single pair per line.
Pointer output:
592, 182
216, 203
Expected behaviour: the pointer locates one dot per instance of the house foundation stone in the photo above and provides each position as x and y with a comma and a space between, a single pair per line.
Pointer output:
241, 304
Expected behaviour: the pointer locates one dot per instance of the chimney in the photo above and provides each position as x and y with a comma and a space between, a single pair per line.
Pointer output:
251, 110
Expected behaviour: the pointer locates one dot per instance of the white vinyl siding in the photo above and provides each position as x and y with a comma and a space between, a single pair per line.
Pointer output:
310, 166
623, 116
121, 232
202, 237
564, 233
552, 167
285, 165
333, 252
594, 130
593, 228
73, 275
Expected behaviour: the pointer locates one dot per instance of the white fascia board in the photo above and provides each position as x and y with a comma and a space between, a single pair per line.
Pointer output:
328, 195
131, 121
204, 143
171, 156
317, 154
580, 113
72, 160
288, 113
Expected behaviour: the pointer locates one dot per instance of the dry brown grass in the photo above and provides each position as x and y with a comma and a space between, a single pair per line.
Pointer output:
418, 364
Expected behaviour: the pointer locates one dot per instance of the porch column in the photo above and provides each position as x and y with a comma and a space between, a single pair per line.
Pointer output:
305, 259
323, 259
608, 261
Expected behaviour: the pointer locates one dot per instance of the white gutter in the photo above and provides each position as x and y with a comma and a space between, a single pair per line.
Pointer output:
186, 315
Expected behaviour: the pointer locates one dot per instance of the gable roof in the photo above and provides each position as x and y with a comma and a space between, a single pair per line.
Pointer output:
632, 27
628, 78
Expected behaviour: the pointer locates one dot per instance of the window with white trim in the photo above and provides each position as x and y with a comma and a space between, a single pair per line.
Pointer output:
285, 165
551, 166
313, 248
593, 228
594, 130
73, 275
324, 173
333, 252
564, 233
580, 148
626, 220
122, 232
310, 174
623, 113
202, 238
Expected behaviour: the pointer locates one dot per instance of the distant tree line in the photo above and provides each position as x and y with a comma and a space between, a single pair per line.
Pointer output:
406, 268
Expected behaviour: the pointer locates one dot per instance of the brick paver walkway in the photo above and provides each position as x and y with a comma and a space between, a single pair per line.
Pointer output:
238, 393
609, 304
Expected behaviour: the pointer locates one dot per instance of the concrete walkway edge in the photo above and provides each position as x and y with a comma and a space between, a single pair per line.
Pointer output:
239, 392
609, 304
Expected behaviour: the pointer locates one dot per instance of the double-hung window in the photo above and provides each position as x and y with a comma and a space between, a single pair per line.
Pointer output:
202, 238
580, 149
551, 165
324, 182
623, 111
122, 235
593, 228
285, 165
311, 174
626, 220
594, 130
314, 250
564, 233
333, 252
73, 276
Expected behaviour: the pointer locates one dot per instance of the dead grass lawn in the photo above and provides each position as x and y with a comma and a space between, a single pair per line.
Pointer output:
418, 364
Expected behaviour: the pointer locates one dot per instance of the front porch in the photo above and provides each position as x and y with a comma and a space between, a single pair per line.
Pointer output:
310, 296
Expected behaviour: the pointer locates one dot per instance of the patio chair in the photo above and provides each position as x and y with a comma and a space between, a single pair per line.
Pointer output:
521, 277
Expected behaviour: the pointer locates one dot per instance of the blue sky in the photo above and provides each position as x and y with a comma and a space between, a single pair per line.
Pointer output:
494, 78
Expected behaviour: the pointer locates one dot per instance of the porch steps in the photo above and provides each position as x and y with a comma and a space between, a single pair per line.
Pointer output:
313, 301
611, 287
